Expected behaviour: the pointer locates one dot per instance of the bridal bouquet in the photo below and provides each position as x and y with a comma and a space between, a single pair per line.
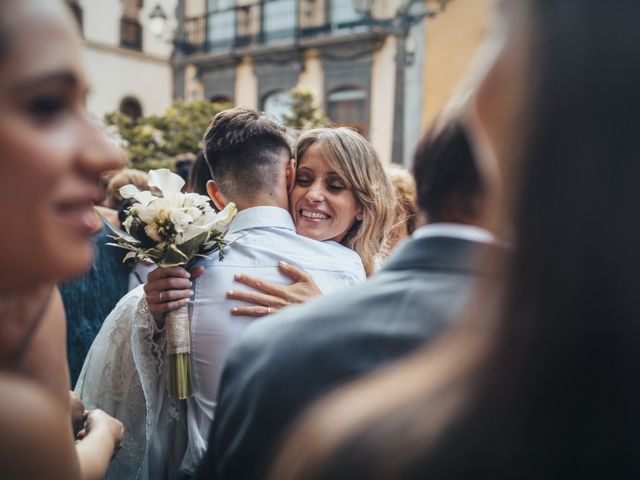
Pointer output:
172, 230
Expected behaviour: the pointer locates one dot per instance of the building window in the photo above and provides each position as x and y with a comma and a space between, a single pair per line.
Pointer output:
131, 107
130, 27
221, 24
76, 9
278, 104
341, 12
347, 107
279, 20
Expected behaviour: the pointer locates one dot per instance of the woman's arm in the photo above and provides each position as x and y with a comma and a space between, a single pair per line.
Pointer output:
35, 435
99, 442
36, 439
272, 296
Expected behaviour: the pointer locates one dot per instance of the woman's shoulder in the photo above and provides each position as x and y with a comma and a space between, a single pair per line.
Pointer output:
34, 426
26, 398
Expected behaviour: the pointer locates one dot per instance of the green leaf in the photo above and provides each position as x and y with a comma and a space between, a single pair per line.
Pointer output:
191, 247
173, 257
119, 233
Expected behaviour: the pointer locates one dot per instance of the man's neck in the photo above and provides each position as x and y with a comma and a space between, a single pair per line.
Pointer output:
260, 201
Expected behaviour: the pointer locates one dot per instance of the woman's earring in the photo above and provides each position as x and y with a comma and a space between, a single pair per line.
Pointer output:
359, 218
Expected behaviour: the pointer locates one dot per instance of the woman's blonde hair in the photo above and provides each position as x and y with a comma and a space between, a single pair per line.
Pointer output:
126, 176
353, 158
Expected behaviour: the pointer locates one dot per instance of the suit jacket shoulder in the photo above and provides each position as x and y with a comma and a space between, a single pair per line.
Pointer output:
283, 363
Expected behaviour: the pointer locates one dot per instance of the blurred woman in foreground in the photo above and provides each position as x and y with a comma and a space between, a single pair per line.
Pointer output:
51, 156
542, 382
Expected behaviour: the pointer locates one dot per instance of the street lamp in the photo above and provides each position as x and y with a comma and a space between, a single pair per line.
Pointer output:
157, 21
405, 53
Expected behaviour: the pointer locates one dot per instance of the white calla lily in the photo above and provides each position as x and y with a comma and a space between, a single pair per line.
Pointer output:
169, 183
129, 191
192, 231
226, 215
144, 198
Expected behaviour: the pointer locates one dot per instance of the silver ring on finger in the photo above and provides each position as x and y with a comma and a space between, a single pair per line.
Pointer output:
160, 296
268, 310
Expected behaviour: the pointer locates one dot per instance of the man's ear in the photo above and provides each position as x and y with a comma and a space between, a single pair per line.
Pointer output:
216, 196
291, 175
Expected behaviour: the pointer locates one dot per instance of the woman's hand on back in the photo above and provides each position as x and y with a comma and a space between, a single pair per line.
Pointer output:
168, 289
271, 297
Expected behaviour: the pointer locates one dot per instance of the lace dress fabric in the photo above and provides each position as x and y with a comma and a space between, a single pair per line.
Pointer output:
124, 375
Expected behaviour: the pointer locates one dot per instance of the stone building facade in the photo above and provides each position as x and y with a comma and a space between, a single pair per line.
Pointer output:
129, 67
352, 53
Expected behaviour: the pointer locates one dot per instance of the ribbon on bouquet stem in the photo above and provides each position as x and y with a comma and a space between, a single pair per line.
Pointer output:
180, 383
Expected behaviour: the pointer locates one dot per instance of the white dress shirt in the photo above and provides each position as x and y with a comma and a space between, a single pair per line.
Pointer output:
261, 236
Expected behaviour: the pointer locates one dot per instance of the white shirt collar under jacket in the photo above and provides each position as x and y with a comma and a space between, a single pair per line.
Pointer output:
455, 230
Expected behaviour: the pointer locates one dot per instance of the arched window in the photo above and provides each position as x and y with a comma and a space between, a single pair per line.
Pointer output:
278, 104
347, 107
131, 107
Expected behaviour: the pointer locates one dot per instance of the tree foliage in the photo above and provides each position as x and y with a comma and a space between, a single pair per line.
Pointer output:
304, 112
155, 140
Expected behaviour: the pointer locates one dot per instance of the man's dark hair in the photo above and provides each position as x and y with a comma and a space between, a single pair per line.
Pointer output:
245, 151
447, 179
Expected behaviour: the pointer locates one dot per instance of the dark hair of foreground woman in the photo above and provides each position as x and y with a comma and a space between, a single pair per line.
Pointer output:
543, 382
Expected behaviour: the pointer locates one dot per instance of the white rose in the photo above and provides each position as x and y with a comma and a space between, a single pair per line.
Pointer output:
180, 220
194, 213
147, 215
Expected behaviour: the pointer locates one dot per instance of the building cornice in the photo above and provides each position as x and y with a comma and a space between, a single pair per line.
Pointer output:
329, 45
125, 52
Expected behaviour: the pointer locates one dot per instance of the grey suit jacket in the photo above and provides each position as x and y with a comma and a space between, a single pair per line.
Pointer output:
283, 363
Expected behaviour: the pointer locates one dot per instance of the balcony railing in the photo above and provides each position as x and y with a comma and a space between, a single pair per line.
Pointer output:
269, 22
130, 34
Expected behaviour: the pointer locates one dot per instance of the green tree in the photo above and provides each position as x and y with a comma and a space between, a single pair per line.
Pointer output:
155, 140
304, 112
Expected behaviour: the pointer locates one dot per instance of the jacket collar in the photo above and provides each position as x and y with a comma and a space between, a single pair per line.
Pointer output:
440, 253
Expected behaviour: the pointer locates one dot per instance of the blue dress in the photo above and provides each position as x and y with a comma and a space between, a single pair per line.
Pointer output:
89, 299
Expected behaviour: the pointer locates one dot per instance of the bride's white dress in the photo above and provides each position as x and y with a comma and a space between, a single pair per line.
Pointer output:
123, 375
124, 372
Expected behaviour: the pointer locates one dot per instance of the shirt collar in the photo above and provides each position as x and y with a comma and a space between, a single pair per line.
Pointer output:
260, 217
455, 230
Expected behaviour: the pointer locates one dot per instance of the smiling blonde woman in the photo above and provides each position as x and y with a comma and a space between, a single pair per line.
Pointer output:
353, 167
